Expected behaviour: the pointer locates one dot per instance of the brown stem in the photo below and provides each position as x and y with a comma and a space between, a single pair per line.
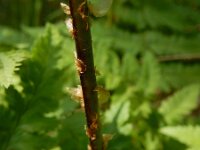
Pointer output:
179, 57
85, 65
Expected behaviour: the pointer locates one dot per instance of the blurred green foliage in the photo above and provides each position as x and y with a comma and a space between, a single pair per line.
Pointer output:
32, 12
147, 53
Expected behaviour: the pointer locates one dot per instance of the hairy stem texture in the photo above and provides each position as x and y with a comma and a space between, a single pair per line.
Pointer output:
85, 67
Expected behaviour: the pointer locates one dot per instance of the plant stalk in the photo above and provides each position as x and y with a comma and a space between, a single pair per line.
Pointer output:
85, 64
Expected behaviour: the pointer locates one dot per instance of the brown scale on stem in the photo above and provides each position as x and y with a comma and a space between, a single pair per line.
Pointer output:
94, 124
81, 10
81, 67
90, 134
65, 8
77, 95
68, 21
89, 147
93, 127
69, 26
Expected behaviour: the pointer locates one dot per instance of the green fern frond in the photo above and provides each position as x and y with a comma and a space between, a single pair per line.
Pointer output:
180, 104
174, 74
45, 47
129, 69
188, 135
9, 63
155, 14
43, 81
123, 125
150, 75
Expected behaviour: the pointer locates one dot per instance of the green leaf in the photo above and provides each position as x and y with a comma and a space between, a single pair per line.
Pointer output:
46, 49
188, 135
109, 65
180, 104
150, 75
174, 74
129, 68
117, 102
151, 142
193, 149
43, 81
9, 64
10, 38
123, 125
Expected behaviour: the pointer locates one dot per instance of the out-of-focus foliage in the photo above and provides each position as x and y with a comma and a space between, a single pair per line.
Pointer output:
10, 61
35, 112
32, 12
148, 55
187, 134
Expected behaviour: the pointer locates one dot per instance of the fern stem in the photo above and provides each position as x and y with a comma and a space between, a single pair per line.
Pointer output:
82, 36
180, 57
